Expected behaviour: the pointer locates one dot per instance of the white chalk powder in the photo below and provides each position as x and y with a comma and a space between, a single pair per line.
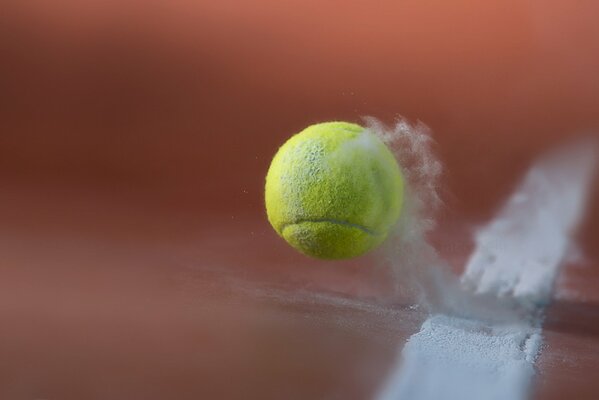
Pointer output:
516, 261
518, 254
459, 359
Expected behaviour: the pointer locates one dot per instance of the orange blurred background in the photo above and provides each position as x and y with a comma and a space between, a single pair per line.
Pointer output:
188, 100
176, 107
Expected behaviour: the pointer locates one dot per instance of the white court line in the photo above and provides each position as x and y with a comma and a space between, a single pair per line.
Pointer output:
516, 260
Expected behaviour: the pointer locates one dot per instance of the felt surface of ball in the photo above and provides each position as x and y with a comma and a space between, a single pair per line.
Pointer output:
334, 191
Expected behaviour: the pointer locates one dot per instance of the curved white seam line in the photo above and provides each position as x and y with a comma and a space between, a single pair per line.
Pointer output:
332, 221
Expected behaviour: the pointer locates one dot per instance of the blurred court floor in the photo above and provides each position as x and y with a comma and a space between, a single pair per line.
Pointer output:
109, 300
111, 297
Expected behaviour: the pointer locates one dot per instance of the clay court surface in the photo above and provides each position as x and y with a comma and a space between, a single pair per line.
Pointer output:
137, 262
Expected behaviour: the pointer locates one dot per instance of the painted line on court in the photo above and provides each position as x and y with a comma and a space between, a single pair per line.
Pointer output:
516, 260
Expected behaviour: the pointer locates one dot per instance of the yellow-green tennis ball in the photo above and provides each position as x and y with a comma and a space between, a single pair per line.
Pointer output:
334, 191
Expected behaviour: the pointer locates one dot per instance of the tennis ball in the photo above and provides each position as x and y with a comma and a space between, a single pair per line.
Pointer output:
334, 191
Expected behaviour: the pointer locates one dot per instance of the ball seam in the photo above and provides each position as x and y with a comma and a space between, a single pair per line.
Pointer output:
332, 221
